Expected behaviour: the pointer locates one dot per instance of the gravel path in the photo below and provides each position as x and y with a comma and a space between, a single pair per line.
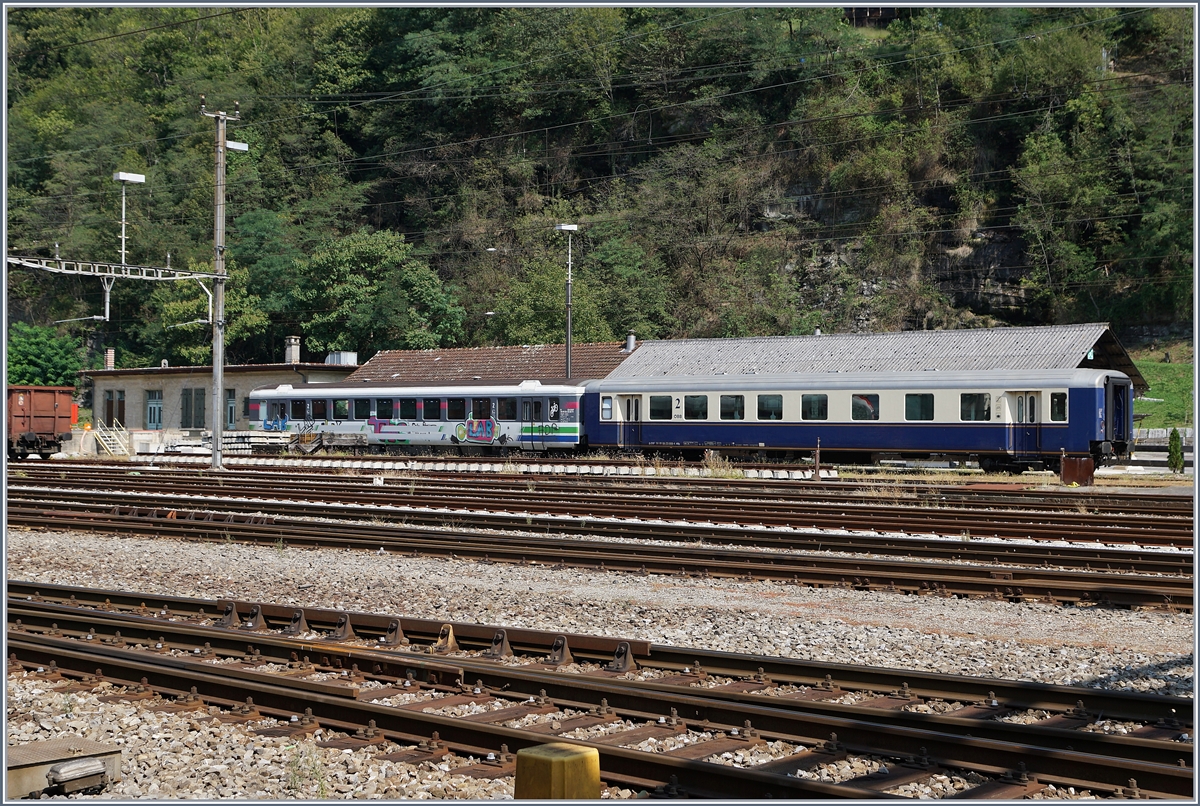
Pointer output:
1116, 649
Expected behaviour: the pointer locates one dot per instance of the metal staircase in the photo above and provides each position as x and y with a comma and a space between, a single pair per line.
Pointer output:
113, 439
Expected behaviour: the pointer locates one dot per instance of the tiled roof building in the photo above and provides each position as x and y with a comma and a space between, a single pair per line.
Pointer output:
542, 362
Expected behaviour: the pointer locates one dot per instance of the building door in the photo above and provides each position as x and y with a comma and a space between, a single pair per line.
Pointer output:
154, 409
532, 424
109, 409
120, 423
230, 409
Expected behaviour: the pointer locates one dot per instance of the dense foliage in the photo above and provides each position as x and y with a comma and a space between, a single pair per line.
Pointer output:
733, 171
41, 357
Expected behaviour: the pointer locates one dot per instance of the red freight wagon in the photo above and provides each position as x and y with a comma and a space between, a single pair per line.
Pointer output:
39, 419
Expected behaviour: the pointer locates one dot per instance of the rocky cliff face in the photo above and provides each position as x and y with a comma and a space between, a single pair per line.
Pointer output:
983, 274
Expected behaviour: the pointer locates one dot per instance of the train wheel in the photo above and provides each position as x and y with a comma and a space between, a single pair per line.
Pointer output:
46, 454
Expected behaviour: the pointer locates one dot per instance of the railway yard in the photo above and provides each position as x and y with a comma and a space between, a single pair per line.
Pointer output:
372, 629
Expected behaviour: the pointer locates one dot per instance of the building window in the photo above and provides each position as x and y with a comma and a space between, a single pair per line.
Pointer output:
1058, 407
660, 407
154, 401
975, 406
770, 407
864, 407
733, 407
918, 407
191, 408
606, 408
230, 409
814, 407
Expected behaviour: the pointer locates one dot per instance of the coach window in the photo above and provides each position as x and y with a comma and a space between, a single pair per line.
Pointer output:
320, 409
481, 408
814, 407
362, 408
341, 409
733, 407
554, 409
456, 408
864, 407
1058, 407
660, 407
975, 406
407, 409
299, 409
383, 408
432, 408
606, 408
695, 407
918, 407
506, 408
770, 407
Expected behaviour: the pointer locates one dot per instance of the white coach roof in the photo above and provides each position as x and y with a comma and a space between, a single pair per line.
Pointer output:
1004, 348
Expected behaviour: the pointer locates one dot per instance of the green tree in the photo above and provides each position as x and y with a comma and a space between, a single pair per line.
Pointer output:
1175, 451
369, 292
38, 355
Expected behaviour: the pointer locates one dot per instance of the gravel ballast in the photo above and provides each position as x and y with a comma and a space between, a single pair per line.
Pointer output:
1111, 649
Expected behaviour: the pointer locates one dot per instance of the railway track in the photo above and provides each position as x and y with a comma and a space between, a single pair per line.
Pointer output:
921, 577
943, 512
350, 668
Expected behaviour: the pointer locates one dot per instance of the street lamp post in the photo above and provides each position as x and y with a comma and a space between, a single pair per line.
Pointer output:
124, 179
568, 228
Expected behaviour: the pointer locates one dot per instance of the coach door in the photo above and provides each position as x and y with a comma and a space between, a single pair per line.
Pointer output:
532, 424
631, 427
1026, 410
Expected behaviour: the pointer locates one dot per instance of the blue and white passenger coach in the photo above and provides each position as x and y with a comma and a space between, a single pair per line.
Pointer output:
1003, 419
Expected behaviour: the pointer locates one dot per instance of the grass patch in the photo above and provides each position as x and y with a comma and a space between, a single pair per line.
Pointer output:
1171, 383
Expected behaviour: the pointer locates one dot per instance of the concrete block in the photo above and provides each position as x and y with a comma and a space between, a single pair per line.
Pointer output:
557, 771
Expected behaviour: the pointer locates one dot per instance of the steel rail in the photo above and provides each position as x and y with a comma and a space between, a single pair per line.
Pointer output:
964, 549
942, 520
871, 736
898, 576
1009, 693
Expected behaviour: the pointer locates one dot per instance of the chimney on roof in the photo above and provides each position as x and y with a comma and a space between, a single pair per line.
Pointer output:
110, 358
291, 350
164, 364
630, 342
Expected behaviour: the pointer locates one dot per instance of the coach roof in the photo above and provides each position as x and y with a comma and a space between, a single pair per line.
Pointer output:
1088, 346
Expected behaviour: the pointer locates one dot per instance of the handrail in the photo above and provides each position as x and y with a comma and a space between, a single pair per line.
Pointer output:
112, 437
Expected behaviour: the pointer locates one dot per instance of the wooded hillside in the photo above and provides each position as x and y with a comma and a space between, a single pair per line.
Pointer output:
733, 171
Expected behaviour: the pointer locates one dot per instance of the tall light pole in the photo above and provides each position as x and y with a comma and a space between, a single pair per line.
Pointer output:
218, 407
124, 179
568, 228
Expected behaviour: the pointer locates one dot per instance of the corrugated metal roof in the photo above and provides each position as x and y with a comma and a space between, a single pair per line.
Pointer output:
1016, 348
528, 362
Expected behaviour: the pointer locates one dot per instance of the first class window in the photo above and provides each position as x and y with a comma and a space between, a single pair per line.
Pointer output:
408, 408
506, 408
814, 407
1058, 407
341, 409
320, 409
770, 407
918, 406
456, 408
975, 406
733, 407
695, 407
362, 408
432, 408
864, 407
383, 408
660, 407
606, 408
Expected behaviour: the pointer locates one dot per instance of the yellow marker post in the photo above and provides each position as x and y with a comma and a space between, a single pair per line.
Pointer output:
558, 771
